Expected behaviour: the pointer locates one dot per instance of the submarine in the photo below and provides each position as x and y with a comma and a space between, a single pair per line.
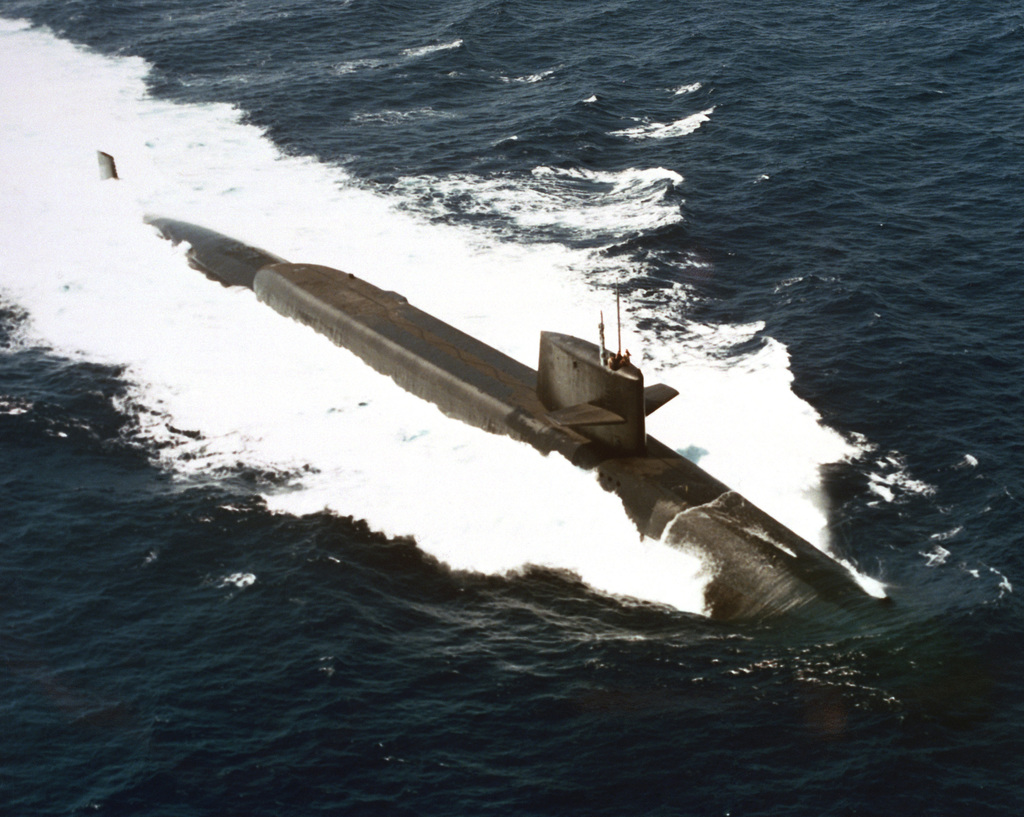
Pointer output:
583, 402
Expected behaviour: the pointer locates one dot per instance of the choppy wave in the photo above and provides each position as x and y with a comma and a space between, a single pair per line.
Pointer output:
388, 117
379, 62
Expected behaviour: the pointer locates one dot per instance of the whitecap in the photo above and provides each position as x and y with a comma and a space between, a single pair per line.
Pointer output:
892, 481
686, 89
530, 79
240, 580
669, 130
423, 50
936, 556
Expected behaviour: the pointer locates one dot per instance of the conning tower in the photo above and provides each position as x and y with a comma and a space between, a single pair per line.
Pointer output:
601, 396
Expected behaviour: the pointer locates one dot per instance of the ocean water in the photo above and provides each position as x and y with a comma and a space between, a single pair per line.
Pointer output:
243, 574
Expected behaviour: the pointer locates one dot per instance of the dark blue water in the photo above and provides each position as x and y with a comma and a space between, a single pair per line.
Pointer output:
856, 187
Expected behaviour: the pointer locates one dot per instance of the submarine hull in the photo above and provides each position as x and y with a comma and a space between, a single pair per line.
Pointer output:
759, 568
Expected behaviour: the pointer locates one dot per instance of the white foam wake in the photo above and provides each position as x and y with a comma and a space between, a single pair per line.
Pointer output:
259, 391
554, 202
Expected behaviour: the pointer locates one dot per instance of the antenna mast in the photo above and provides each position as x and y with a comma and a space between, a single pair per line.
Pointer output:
618, 318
